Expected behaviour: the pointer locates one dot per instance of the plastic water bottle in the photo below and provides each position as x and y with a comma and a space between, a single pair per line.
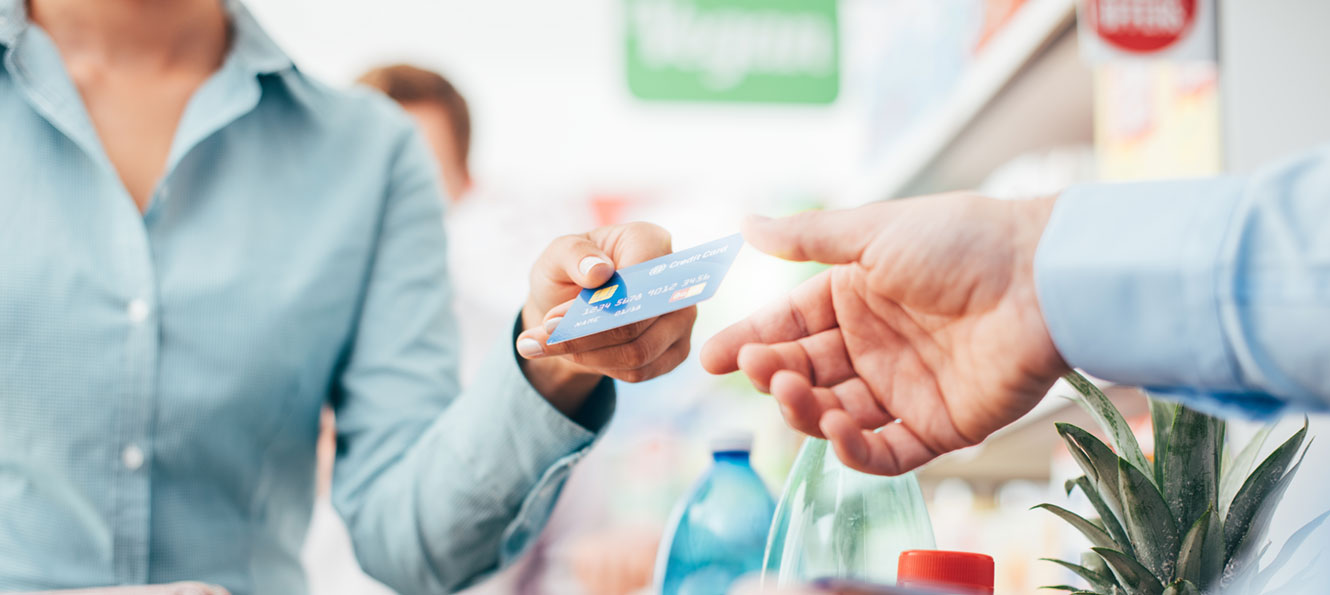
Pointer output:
720, 530
835, 522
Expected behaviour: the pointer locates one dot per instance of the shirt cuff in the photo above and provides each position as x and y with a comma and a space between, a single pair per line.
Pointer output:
528, 434
512, 448
596, 410
1130, 279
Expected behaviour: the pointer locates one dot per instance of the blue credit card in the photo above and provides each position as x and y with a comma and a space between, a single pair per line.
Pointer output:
650, 289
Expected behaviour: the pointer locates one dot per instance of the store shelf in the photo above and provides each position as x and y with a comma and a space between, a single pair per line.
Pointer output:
1027, 90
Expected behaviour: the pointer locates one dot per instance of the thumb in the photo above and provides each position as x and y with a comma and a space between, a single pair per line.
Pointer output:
831, 237
579, 260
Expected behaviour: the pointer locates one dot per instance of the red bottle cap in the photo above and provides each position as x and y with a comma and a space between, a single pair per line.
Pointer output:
965, 572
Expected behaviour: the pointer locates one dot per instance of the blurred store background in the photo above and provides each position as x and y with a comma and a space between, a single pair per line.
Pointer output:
693, 113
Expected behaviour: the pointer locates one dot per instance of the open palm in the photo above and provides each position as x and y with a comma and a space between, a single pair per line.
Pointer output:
928, 319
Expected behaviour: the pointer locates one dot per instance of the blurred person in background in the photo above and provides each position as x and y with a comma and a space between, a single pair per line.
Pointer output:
501, 223
577, 552
200, 248
441, 113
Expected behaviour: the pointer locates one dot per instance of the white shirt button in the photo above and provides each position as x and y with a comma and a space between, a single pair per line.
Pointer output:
139, 311
132, 457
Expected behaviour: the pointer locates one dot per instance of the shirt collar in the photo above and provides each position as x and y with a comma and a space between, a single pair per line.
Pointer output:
250, 44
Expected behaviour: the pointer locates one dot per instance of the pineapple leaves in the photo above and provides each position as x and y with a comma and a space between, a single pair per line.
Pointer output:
1110, 419
1131, 575
1189, 473
1162, 414
1149, 523
1097, 536
1099, 581
1256, 493
1191, 521
1212, 551
1240, 467
1191, 559
1097, 461
1260, 524
1106, 516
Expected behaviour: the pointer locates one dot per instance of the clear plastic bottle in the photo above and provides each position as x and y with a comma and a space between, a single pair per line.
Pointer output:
835, 522
720, 530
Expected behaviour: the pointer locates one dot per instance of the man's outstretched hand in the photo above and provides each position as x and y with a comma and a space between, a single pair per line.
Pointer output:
925, 337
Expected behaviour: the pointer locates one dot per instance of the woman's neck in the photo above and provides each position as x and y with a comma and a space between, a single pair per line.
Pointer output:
138, 34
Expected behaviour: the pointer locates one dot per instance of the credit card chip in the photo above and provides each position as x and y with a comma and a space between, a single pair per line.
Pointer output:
603, 294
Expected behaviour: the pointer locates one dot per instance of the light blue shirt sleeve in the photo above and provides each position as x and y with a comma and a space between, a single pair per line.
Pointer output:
1215, 292
439, 486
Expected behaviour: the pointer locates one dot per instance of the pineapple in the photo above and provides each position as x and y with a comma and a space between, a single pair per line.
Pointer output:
1192, 521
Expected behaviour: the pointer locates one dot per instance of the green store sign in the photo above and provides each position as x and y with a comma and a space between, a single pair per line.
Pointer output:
763, 51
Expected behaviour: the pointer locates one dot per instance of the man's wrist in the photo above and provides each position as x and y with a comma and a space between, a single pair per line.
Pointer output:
1030, 222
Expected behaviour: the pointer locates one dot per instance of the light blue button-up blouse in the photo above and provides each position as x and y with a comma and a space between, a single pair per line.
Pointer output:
161, 374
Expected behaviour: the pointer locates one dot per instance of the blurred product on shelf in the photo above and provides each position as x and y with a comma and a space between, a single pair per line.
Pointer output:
609, 562
962, 573
920, 572
1157, 120
835, 522
719, 530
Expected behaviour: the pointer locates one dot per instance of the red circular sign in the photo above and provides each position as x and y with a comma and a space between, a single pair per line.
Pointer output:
1141, 26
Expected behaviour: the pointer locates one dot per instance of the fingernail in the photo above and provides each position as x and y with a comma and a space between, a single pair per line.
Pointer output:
755, 218
552, 324
529, 347
589, 263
